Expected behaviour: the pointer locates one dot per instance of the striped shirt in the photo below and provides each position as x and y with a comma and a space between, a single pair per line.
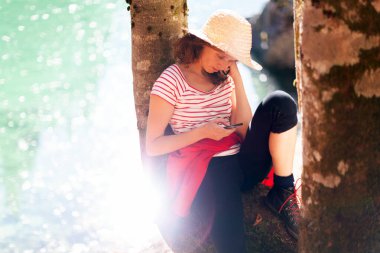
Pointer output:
192, 107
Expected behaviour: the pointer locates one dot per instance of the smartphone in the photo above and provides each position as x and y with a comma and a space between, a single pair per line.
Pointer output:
233, 126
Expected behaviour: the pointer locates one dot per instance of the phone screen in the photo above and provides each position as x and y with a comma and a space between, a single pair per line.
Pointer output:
233, 126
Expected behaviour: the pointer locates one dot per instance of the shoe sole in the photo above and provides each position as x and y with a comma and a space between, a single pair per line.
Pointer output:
290, 231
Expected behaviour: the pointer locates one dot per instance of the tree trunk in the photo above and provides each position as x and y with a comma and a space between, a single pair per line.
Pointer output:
338, 71
156, 24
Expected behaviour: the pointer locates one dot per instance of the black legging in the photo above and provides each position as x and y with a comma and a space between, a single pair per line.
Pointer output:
217, 209
277, 113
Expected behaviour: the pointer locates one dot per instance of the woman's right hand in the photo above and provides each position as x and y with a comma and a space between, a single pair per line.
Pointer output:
215, 129
157, 143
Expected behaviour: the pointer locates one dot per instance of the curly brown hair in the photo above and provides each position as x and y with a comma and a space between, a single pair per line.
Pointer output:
188, 49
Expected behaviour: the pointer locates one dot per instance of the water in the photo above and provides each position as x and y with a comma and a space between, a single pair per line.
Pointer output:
70, 174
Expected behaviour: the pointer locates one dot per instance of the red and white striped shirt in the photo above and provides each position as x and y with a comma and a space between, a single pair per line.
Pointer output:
194, 108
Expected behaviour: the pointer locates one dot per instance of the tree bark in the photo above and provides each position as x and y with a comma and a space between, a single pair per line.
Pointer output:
156, 25
338, 73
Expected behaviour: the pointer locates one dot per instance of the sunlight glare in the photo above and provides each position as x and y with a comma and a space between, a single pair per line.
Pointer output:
131, 204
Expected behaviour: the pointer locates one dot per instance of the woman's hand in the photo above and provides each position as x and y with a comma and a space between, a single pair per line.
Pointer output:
215, 129
235, 74
241, 110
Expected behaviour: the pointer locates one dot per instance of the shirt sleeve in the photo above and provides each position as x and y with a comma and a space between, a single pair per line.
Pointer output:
230, 82
166, 87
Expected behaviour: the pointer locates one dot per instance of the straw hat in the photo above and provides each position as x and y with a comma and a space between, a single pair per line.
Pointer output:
231, 33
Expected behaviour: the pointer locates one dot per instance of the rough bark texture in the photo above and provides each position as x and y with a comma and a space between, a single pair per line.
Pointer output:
298, 7
156, 25
338, 71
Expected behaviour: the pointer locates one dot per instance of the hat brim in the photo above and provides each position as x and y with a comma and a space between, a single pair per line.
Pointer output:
247, 61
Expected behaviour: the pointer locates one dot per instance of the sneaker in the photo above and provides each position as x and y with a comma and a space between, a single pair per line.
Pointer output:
284, 202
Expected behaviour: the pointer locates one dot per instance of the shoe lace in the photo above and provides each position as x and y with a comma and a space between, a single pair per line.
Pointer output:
295, 200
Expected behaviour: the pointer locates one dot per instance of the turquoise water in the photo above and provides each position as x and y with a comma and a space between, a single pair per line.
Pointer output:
53, 58
70, 175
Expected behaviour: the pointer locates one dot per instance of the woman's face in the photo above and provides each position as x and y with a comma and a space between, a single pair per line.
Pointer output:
213, 60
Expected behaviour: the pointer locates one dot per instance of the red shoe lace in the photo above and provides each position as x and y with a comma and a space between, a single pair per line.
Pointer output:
294, 205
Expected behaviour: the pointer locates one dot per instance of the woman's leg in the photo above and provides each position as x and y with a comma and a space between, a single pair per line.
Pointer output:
228, 227
281, 147
216, 211
270, 140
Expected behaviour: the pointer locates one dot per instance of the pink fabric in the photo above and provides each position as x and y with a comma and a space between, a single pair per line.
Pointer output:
187, 167
268, 180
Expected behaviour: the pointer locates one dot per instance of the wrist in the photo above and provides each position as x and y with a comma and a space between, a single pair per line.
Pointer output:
235, 75
200, 133
237, 79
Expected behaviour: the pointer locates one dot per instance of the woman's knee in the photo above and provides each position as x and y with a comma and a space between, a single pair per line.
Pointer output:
282, 101
282, 110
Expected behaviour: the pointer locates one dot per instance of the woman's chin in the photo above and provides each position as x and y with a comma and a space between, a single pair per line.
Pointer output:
205, 71
210, 71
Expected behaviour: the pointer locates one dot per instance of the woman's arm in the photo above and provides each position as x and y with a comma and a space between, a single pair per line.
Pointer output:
160, 112
241, 110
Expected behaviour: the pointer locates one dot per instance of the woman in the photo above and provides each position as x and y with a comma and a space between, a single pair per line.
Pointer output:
209, 164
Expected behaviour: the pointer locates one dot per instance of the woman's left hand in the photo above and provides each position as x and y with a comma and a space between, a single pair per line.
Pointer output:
235, 73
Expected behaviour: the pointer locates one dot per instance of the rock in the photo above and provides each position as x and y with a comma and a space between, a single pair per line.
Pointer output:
273, 42
272, 35
265, 232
